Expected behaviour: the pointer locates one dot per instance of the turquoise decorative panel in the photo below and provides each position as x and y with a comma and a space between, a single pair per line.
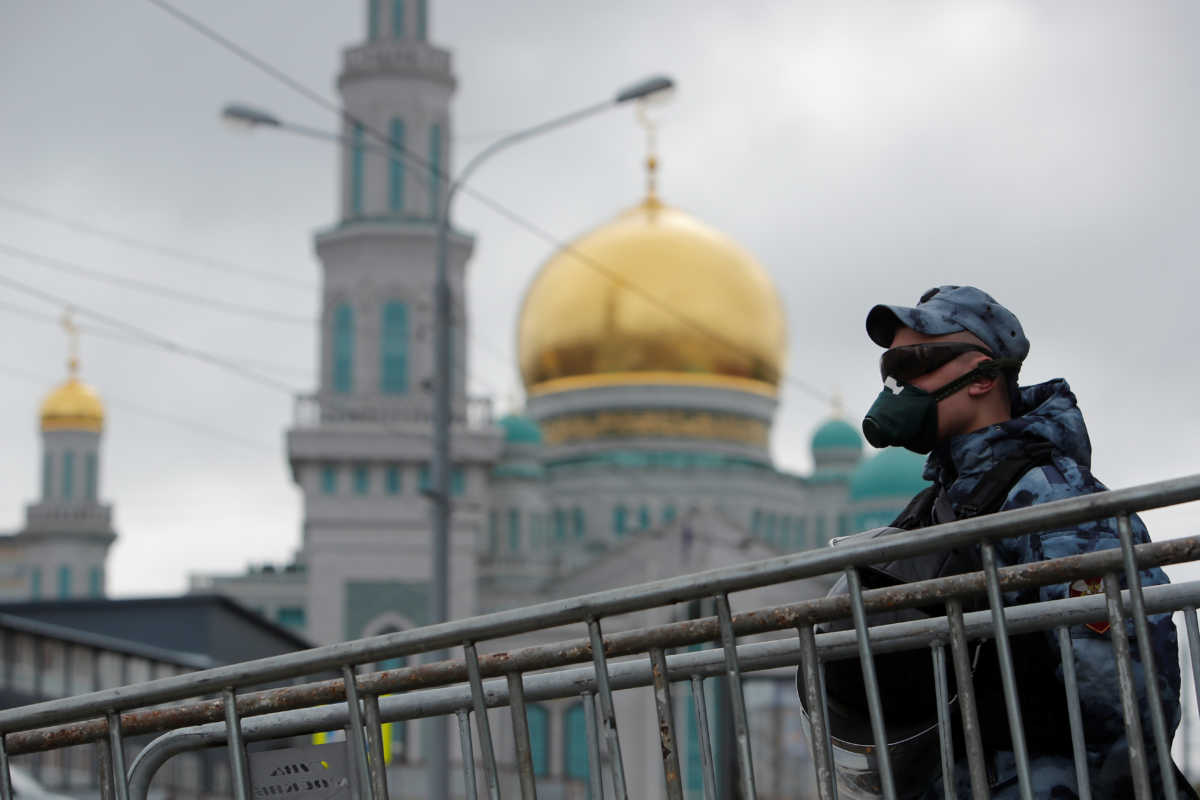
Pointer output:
329, 479
89, 476
64, 581
362, 479
95, 582
435, 170
398, 18
358, 157
575, 746
538, 719
343, 349
68, 474
366, 600
396, 166
47, 475
393, 349
392, 479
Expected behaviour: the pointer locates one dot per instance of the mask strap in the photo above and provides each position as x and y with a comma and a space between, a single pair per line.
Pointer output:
984, 368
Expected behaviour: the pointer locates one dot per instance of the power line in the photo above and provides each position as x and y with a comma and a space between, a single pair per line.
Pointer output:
178, 295
149, 336
495, 205
155, 247
195, 427
124, 338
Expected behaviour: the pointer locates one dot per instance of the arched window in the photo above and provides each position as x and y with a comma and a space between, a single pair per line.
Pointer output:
343, 349
770, 533
580, 522
373, 20
575, 743
89, 476
392, 479
668, 514
47, 475
560, 525
398, 18
396, 161
68, 474
393, 349
514, 530
362, 479
422, 19
95, 582
493, 532
620, 520
358, 155
435, 167
538, 719
64, 581
643, 518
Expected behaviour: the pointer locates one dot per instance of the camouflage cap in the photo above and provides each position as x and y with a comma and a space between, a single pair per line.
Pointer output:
949, 309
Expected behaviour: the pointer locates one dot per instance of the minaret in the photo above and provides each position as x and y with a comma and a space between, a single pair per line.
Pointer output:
361, 445
68, 531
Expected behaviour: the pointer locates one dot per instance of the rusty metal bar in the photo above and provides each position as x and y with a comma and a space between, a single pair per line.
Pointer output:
468, 754
479, 699
610, 602
1129, 701
1008, 680
1066, 655
595, 776
815, 702
666, 723
608, 715
945, 734
355, 739
700, 706
967, 710
679, 634
377, 759
1141, 625
737, 698
117, 752
520, 726
874, 704
239, 770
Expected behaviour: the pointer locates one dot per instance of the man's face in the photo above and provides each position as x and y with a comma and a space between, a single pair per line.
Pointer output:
957, 412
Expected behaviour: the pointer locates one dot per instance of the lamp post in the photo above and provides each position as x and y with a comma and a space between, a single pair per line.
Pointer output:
439, 489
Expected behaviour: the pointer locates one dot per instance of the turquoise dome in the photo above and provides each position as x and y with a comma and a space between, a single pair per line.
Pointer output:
520, 430
894, 472
836, 434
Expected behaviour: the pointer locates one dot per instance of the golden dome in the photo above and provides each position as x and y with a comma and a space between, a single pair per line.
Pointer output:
654, 296
73, 406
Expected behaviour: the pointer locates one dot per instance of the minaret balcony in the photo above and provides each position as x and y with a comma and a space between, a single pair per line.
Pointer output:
66, 517
317, 410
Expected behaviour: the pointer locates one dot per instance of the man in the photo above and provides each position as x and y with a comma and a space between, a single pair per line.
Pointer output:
950, 389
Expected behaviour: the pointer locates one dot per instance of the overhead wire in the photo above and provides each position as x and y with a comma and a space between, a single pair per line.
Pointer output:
158, 248
486, 200
178, 295
119, 402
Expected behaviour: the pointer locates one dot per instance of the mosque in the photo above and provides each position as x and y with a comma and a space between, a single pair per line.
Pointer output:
651, 348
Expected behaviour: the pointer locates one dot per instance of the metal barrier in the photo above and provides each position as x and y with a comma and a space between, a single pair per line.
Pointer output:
229, 714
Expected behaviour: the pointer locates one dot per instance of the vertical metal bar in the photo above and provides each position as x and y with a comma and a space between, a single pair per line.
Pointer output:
1067, 655
945, 735
608, 715
1129, 703
358, 744
874, 705
822, 757
595, 776
1008, 679
825, 711
666, 723
1150, 676
117, 747
468, 754
377, 759
108, 788
967, 709
1193, 633
5, 776
238, 768
479, 700
700, 706
520, 726
741, 725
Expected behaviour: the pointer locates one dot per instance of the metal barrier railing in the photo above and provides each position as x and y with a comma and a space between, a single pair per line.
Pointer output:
362, 702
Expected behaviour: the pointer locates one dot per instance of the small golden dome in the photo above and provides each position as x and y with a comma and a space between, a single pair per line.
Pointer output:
73, 406
652, 296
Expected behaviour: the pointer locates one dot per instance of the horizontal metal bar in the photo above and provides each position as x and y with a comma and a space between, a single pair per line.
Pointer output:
638, 672
678, 634
1046, 516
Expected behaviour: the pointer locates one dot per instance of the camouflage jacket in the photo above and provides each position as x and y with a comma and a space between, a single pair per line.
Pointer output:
956, 466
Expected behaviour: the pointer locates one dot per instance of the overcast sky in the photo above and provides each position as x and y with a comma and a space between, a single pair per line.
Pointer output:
862, 151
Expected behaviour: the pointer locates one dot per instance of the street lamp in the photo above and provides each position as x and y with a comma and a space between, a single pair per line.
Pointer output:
439, 490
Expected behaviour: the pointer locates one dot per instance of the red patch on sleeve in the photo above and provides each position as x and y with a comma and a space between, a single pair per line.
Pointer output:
1085, 586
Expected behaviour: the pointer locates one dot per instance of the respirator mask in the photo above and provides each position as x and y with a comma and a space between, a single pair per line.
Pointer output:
905, 415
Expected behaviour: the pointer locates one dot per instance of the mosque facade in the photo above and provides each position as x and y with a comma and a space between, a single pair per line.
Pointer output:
652, 351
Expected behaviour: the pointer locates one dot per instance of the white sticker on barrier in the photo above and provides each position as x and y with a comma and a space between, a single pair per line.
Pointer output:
307, 772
